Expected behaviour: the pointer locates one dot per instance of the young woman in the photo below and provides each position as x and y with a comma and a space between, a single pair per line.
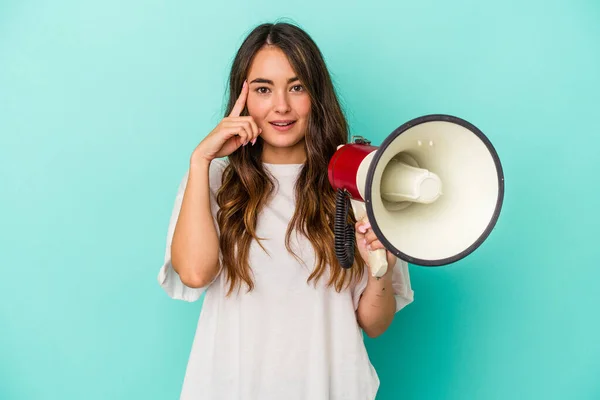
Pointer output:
252, 227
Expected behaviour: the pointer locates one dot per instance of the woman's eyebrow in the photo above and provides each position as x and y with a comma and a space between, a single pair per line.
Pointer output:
270, 82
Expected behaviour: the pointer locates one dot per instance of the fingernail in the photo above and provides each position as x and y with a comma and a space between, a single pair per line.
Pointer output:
245, 143
362, 229
245, 83
367, 226
369, 247
365, 241
254, 141
259, 130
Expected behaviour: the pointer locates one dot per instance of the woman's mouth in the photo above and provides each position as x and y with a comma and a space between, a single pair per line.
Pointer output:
282, 125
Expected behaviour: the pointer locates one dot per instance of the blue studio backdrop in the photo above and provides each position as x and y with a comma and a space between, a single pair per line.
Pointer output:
102, 102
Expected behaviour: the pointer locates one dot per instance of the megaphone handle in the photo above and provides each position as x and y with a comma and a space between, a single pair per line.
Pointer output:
378, 262
377, 258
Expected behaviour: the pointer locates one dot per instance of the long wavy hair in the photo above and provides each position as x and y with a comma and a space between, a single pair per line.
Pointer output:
246, 187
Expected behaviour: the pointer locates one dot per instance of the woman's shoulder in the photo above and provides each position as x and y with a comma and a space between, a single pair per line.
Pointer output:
218, 165
215, 173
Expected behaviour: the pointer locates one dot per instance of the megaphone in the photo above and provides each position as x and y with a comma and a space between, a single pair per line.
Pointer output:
432, 192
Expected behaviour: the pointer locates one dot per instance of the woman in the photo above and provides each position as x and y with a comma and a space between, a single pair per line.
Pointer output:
252, 226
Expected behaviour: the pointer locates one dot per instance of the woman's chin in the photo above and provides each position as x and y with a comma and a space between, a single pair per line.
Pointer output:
283, 141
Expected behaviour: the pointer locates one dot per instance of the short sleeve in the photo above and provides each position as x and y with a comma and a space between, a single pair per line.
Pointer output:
400, 284
168, 278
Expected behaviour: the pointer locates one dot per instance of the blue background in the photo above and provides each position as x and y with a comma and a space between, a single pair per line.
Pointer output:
102, 102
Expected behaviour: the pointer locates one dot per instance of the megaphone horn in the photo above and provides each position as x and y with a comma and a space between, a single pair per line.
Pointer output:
432, 192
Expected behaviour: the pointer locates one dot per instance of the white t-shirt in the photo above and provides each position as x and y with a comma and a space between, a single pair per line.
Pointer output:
285, 339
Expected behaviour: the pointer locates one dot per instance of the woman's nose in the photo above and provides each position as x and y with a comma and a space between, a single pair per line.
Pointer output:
282, 104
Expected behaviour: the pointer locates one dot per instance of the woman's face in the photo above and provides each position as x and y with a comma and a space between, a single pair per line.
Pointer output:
280, 106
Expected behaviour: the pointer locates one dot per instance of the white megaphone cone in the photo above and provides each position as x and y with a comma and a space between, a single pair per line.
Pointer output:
432, 192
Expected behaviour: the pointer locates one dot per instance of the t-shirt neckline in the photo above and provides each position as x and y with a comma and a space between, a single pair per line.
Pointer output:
283, 169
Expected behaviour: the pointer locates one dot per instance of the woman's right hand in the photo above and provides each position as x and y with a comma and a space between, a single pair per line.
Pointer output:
232, 132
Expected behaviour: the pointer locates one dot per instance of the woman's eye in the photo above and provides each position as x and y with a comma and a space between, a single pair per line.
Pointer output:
262, 90
297, 88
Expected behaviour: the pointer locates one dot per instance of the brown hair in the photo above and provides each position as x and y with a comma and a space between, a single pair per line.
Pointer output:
246, 187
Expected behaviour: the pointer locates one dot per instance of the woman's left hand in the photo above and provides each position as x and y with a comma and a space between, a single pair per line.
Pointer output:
366, 240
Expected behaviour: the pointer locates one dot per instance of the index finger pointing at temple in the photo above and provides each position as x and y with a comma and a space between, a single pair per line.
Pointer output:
239, 105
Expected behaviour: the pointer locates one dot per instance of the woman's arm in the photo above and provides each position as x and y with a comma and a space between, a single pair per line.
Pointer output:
377, 305
195, 246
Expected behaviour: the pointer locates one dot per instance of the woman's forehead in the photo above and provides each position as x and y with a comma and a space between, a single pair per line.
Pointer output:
271, 63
